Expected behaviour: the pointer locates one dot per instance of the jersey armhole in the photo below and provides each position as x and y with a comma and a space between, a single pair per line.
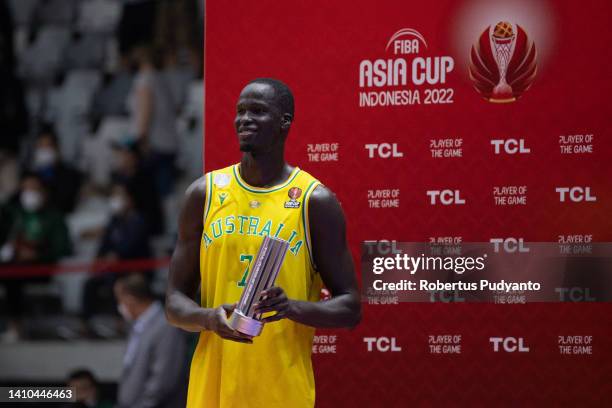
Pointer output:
306, 221
207, 202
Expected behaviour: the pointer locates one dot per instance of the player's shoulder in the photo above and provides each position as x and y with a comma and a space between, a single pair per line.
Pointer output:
325, 213
197, 190
320, 194
323, 203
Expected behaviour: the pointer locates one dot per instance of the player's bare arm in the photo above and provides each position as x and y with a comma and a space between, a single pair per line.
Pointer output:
335, 264
184, 277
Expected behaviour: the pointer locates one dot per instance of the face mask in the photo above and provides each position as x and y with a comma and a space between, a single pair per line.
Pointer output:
117, 204
31, 200
44, 157
123, 311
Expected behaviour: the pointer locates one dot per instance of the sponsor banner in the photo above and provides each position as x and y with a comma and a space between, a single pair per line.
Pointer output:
445, 122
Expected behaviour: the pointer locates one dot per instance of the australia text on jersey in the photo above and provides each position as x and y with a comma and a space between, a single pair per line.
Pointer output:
248, 225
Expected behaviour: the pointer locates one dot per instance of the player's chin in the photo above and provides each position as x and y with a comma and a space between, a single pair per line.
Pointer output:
246, 147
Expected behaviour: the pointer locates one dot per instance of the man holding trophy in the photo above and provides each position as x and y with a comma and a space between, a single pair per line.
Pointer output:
259, 239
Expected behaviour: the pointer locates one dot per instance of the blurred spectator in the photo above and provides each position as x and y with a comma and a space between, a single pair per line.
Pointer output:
86, 390
178, 28
137, 23
13, 115
37, 234
7, 53
129, 170
155, 364
63, 180
9, 179
6, 221
127, 234
125, 237
153, 115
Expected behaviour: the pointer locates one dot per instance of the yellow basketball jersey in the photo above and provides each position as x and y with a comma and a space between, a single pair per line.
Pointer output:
276, 369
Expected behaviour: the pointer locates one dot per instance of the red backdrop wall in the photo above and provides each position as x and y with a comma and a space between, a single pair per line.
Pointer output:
562, 123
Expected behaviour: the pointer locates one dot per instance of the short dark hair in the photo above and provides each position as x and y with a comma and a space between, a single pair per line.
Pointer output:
83, 373
136, 285
27, 173
282, 93
48, 130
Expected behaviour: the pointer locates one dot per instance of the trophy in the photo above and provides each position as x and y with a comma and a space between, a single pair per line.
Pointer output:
263, 274
503, 40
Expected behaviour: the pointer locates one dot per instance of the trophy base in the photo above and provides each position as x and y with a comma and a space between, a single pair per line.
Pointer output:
502, 100
244, 324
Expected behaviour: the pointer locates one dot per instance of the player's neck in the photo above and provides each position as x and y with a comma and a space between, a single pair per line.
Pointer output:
264, 170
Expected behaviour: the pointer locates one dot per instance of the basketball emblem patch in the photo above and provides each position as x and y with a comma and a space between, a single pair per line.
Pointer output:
294, 193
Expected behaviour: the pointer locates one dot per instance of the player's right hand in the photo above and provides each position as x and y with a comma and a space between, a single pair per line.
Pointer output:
220, 325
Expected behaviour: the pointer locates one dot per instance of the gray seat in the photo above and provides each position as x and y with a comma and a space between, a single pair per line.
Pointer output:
85, 52
191, 132
69, 107
110, 100
98, 16
60, 12
96, 152
23, 11
178, 80
42, 60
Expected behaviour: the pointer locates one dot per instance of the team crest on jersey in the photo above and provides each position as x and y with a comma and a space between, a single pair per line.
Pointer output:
294, 193
221, 180
222, 197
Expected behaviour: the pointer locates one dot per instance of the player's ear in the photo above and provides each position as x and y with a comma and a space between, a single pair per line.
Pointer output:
286, 121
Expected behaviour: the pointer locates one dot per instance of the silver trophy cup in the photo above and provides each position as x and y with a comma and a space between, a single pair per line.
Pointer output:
268, 262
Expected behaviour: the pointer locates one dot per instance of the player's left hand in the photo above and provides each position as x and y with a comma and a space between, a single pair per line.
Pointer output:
274, 300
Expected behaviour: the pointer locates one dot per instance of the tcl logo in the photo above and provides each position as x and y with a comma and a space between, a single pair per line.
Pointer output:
382, 344
510, 146
445, 197
509, 344
575, 294
445, 297
383, 150
575, 194
381, 247
509, 245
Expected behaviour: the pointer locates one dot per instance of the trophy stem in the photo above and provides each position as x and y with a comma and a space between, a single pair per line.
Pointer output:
268, 262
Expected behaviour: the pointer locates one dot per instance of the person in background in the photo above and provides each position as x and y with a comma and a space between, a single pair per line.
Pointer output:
129, 170
13, 111
87, 392
127, 234
155, 364
137, 23
37, 235
153, 117
125, 237
63, 181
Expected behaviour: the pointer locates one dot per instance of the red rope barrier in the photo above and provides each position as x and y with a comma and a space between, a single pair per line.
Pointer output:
103, 266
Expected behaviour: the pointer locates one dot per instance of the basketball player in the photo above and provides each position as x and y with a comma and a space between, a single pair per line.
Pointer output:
221, 226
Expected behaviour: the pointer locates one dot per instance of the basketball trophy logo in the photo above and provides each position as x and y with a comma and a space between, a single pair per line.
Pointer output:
503, 62
267, 264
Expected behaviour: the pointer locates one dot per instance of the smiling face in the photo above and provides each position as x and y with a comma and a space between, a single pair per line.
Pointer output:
259, 119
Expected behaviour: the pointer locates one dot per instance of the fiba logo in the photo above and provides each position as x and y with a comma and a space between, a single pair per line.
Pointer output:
503, 62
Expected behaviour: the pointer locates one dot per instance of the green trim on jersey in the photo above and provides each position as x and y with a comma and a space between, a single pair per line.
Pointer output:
259, 190
208, 195
306, 224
